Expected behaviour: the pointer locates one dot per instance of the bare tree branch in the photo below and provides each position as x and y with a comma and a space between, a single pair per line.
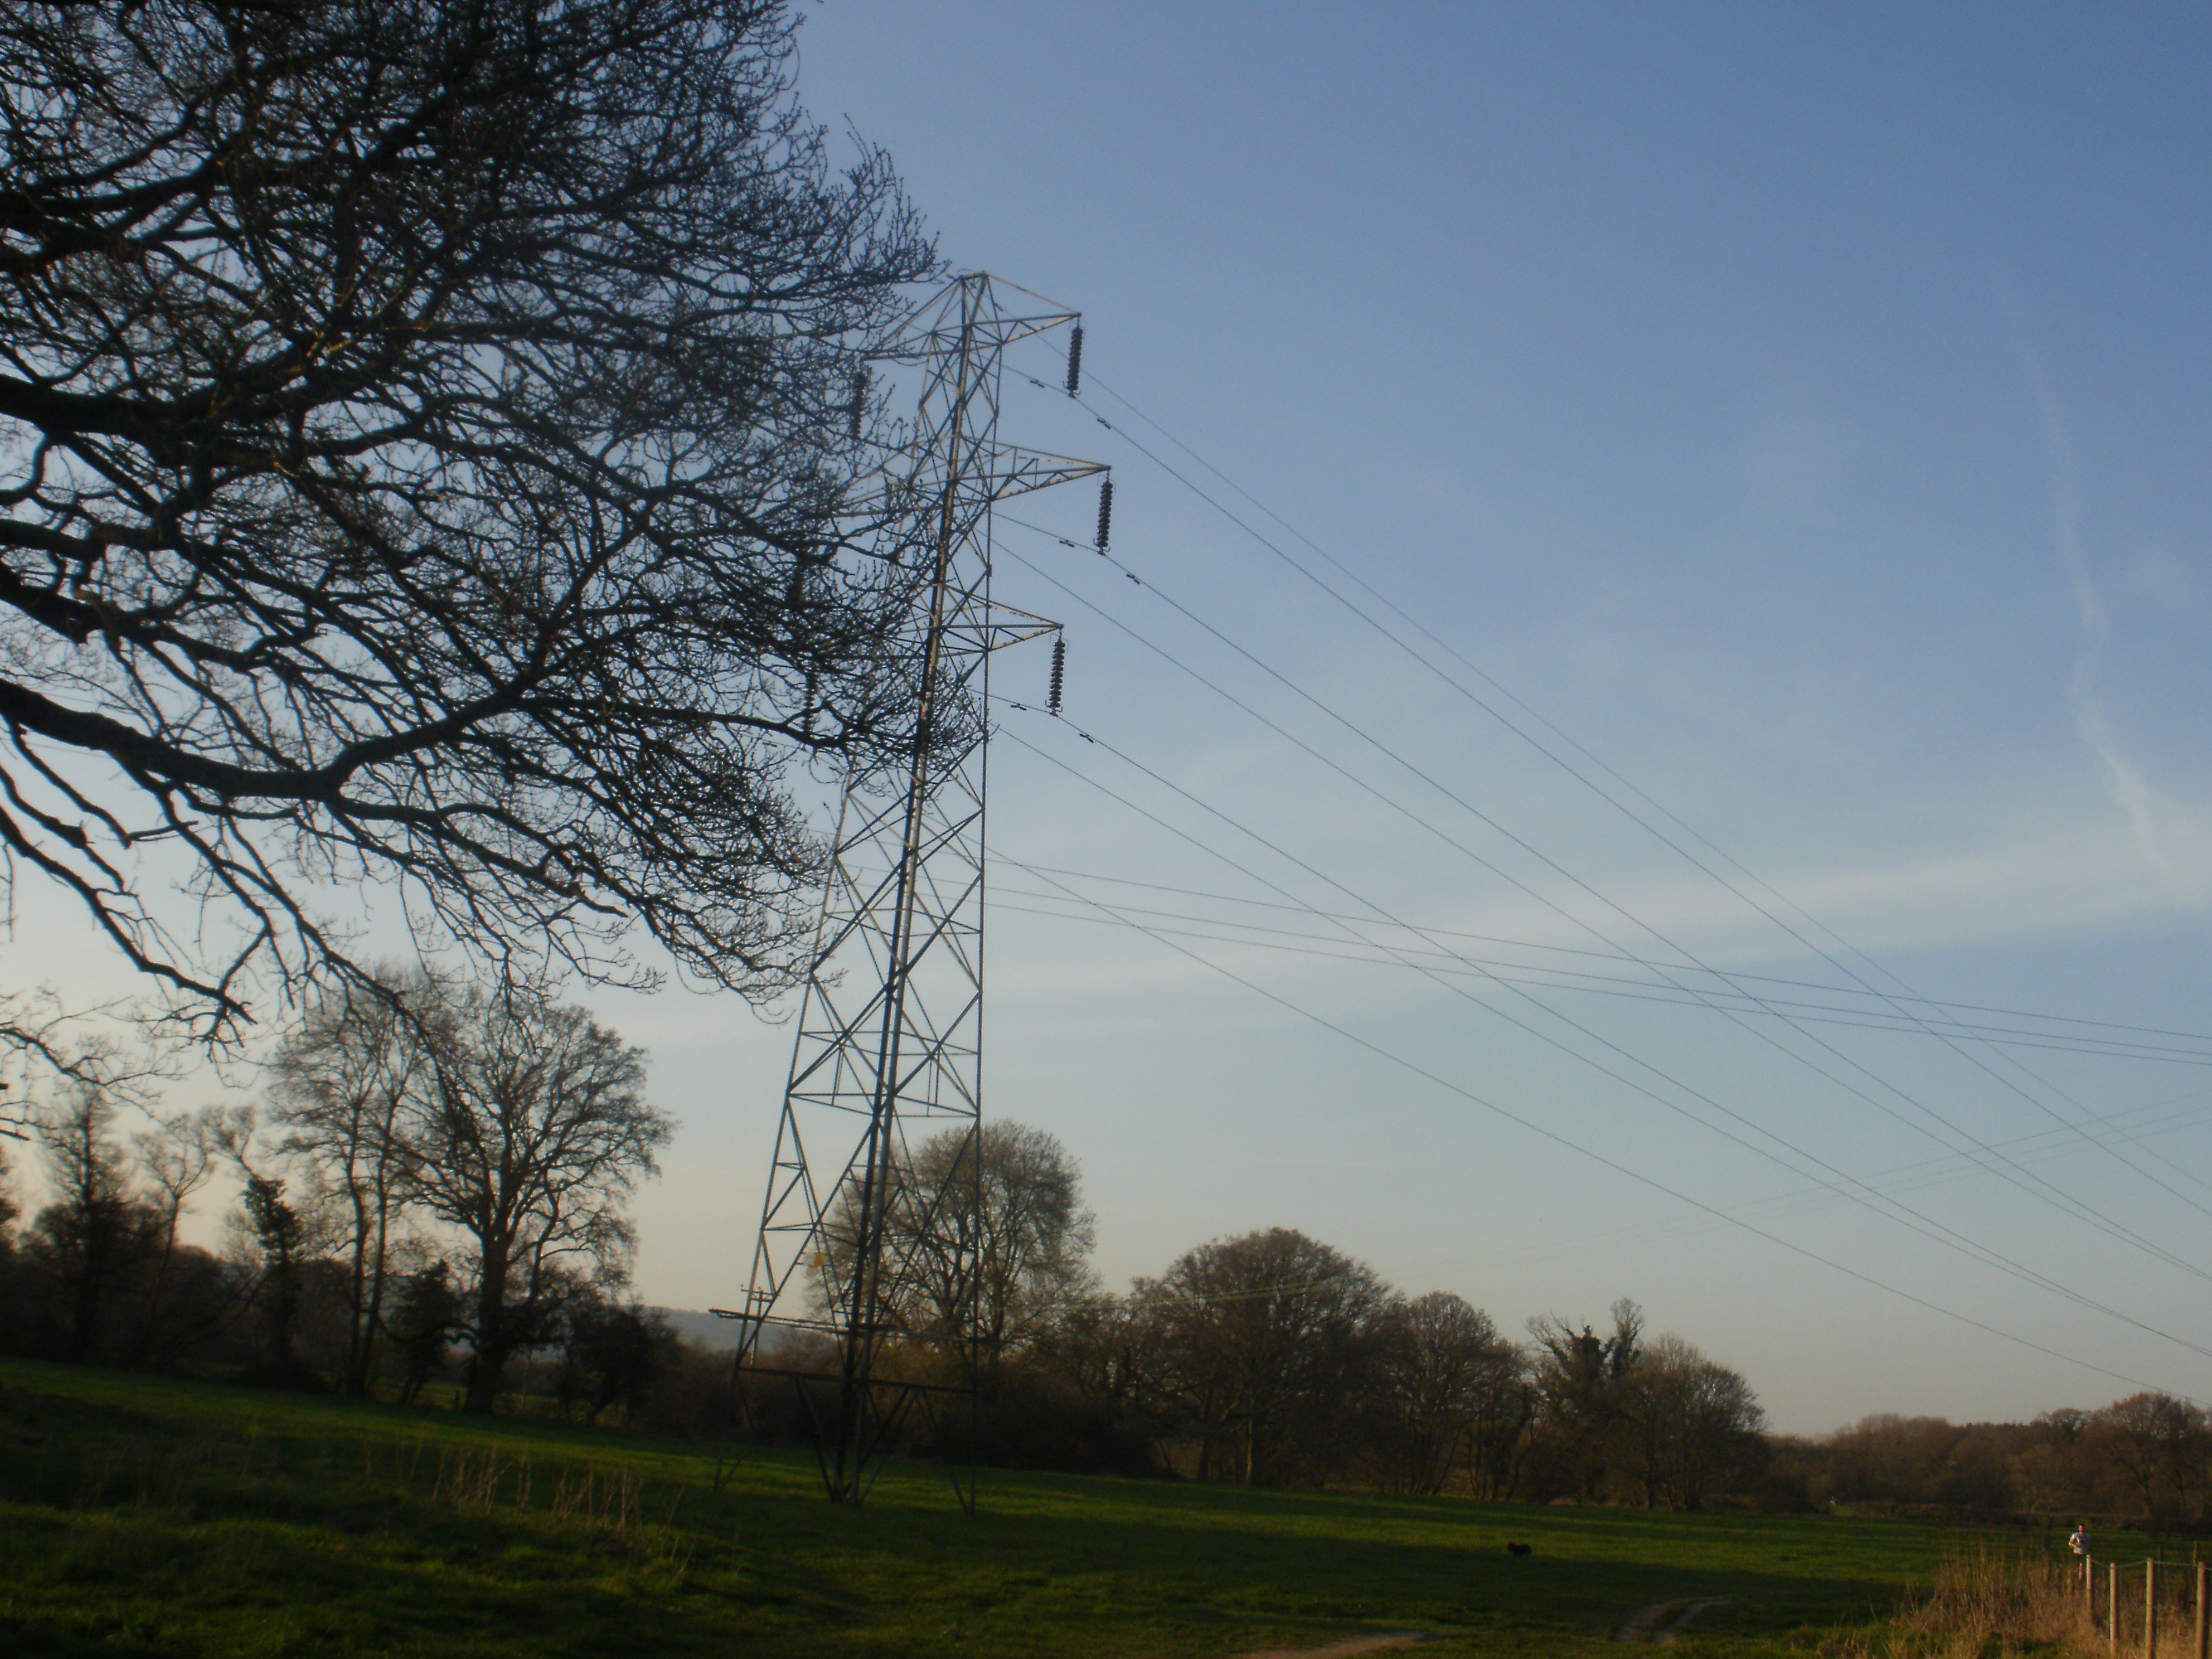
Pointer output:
426, 458
44, 1044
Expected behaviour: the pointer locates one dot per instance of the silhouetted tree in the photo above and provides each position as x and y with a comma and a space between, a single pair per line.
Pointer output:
1264, 1346
612, 1353
1583, 1383
96, 1237
281, 1236
533, 1132
425, 1315
1927, 1461
1457, 1396
9, 1210
342, 1085
2050, 1472
2158, 1444
13, 1336
179, 1157
45, 1046
1027, 1257
1102, 1347
1697, 1425
428, 456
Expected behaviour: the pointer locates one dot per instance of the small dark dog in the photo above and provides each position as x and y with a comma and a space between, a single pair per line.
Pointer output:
1519, 1549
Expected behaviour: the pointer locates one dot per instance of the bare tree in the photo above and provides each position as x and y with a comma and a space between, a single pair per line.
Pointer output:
1027, 1258
1263, 1345
2049, 1471
429, 444
1458, 1397
96, 1235
533, 1131
2159, 1443
341, 1084
178, 1156
1698, 1422
1584, 1383
44, 1045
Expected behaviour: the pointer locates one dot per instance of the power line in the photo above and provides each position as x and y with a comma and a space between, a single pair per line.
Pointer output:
1565, 979
1549, 753
2051, 1192
1433, 931
1931, 1171
1926, 1226
1917, 1177
1394, 1059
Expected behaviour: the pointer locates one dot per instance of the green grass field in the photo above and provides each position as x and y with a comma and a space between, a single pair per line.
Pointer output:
143, 1516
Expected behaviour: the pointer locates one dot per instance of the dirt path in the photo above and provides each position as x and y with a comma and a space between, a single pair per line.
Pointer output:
1347, 1648
1656, 1626
1659, 1624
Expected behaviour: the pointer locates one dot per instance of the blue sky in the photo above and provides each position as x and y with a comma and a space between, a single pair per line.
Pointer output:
1805, 409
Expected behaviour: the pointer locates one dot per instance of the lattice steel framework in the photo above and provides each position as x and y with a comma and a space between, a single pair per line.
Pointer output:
890, 1043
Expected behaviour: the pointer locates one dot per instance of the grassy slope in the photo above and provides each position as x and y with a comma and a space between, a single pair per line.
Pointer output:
153, 1517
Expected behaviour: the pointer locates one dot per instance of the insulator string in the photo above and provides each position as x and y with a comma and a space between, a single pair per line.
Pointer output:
1059, 672
1105, 514
1075, 360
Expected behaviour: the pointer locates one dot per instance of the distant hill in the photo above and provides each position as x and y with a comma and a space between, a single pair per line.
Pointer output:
701, 1329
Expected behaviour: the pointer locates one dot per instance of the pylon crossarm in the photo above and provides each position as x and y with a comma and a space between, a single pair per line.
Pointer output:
1023, 471
1006, 626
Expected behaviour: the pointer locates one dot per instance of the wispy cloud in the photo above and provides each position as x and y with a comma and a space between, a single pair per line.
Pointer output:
2056, 882
2036, 883
2151, 813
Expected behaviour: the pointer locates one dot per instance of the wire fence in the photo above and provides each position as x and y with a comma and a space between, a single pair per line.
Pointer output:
2150, 1607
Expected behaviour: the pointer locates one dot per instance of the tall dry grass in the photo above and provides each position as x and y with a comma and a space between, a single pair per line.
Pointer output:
1990, 1603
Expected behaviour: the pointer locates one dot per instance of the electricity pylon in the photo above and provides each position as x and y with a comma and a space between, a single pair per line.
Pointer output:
891, 1029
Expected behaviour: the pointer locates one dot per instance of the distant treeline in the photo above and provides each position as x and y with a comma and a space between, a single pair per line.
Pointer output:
2146, 1458
438, 1193
1270, 1358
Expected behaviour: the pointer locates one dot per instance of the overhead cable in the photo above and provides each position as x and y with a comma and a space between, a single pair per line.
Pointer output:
2049, 1191
1549, 753
1392, 1057
1851, 1188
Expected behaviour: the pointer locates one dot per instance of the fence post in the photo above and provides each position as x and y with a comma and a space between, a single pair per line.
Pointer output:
2112, 1605
2202, 1631
2150, 1609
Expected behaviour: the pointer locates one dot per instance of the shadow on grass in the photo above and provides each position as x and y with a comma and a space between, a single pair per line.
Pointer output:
1294, 1567
151, 1516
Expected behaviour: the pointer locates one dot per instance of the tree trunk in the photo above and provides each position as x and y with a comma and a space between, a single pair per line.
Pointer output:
84, 1321
373, 1314
491, 1358
356, 1366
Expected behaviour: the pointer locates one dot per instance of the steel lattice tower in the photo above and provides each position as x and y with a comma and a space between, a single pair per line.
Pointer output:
891, 1029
